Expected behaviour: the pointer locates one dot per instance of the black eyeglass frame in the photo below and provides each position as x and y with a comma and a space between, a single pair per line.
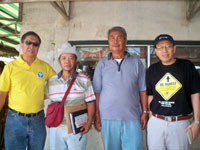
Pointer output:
36, 44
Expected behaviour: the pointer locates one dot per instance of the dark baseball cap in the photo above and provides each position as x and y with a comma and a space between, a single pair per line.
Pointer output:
162, 37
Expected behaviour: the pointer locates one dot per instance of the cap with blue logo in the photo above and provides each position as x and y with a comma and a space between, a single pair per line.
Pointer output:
162, 37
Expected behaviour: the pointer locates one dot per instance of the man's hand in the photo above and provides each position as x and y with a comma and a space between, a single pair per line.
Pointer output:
144, 104
86, 127
143, 120
195, 128
97, 123
85, 73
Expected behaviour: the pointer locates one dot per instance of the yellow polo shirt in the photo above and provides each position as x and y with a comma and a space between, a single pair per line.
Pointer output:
25, 84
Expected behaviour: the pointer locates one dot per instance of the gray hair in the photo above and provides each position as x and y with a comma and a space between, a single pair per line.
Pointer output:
120, 29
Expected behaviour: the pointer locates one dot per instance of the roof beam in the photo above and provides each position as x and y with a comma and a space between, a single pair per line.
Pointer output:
9, 19
20, 12
193, 7
24, 1
8, 50
9, 40
19, 19
5, 27
7, 14
6, 35
9, 32
61, 9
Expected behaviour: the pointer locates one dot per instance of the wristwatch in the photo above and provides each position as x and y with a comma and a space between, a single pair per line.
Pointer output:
197, 122
145, 111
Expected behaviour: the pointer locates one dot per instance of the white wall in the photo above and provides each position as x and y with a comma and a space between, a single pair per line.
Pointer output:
143, 20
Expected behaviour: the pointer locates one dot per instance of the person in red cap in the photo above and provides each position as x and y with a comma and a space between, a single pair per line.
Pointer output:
173, 89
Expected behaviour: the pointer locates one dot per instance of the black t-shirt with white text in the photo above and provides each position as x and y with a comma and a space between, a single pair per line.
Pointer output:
172, 87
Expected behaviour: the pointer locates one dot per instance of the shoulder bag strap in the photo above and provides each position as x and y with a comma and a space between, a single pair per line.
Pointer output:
68, 90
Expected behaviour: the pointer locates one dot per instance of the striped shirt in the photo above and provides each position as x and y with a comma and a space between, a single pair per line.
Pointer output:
81, 91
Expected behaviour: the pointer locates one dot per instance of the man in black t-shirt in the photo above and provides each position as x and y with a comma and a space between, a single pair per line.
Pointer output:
173, 89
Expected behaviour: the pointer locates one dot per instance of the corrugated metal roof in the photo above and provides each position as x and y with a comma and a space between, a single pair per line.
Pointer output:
9, 27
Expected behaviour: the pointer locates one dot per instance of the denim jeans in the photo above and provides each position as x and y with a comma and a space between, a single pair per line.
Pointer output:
121, 135
23, 132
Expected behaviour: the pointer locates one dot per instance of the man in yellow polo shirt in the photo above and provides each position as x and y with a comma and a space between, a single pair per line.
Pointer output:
23, 80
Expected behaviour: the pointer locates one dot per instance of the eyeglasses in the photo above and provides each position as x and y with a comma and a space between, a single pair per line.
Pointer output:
34, 43
160, 48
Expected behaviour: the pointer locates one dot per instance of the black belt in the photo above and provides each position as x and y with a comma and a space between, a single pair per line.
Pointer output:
29, 115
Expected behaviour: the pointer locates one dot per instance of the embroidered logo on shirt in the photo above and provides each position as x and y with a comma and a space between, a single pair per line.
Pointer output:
168, 86
40, 75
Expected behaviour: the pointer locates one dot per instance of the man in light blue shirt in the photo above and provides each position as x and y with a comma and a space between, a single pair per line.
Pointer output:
119, 84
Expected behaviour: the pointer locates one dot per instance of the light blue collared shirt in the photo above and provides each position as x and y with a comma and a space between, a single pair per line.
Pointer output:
119, 86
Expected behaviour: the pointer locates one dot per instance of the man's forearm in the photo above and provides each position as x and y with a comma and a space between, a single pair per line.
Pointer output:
196, 105
91, 110
144, 101
3, 96
97, 103
150, 98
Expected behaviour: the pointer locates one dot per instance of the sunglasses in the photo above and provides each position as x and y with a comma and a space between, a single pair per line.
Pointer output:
34, 43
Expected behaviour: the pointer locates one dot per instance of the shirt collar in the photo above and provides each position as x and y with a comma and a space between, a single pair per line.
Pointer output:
74, 75
127, 54
22, 61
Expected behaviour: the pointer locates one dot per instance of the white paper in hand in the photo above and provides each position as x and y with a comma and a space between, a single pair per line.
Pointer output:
80, 120
189, 136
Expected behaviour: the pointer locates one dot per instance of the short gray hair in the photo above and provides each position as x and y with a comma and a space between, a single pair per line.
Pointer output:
120, 29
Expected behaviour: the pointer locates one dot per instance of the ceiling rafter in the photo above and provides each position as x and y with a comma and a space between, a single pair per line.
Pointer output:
5, 27
19, 19
11, 17
61, 9
8, 51
24, 1
8, 40
193, 7
8, 14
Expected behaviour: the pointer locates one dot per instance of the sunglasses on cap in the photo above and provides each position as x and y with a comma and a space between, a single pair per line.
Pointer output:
34, 43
